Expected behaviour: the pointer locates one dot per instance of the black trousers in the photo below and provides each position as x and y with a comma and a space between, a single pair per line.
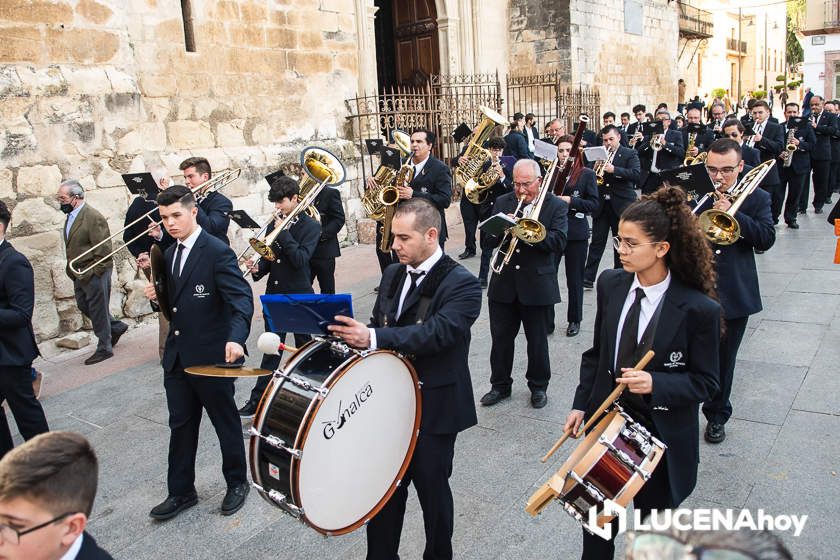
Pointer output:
776, 196
793, 184
505, 319
186, 395
469, 213
16, 391
605, 222
820, 173
488, 245
575, 262
324, 270
655, 494
719, 409
834, 177
271, 362
429, 470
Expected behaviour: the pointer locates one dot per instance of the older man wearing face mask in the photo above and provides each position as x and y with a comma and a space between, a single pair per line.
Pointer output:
84, 228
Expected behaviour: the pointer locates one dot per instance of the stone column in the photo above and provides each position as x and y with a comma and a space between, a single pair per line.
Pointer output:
366, 34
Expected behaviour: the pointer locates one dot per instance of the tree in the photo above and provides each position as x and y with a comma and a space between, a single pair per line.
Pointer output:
793, 50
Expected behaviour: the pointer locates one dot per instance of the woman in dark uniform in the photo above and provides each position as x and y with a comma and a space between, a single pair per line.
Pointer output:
664, 300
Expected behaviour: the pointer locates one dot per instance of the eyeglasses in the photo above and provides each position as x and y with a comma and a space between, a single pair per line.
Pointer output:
12, 536
523, 185
620, 244
662, 546
725, 170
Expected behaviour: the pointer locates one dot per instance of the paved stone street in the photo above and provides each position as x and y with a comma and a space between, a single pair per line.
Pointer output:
779, 455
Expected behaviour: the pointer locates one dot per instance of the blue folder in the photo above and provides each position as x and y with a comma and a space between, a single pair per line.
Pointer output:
304, 313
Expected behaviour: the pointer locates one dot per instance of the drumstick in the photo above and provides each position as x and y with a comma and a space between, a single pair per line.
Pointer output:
287, 347
613, 396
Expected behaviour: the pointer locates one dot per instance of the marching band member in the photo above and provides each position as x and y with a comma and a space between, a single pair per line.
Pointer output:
718, 115
670, 156
425, 307
737, 278
620, 176
531, 132
792, 177
214, 210
516, 144
555, 130
431, 180
322, 263
523, 292
17, 341
769, 140
834, 174
634, 130
288, 274
663, 299
824, 125
581, 194
625, 123
702, 141
212, 305
734, 129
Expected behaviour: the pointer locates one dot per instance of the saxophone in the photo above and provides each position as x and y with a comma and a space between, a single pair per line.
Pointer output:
403, 179
789, 149
599, 167
376, 200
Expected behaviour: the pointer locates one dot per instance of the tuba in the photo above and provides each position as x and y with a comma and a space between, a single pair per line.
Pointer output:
321, 168
466, 175
377, 199
720, 227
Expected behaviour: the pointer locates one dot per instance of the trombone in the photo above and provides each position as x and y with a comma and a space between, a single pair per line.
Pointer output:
200, 192
321, 168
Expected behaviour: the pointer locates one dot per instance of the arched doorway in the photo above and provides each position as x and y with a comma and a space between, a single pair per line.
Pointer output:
407, 51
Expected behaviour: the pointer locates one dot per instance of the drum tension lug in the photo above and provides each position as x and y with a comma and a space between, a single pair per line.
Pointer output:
276, 442
280, 499
303, 384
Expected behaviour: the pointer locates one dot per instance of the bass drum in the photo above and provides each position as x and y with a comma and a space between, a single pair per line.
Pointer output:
334, 433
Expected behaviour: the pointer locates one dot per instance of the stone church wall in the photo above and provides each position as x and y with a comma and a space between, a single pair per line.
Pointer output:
90, 89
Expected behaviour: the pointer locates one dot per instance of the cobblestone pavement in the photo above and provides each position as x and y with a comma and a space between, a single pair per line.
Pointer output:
779, 454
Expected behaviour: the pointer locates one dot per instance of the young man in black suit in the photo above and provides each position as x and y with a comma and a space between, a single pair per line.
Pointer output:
214, 211
211, 309
516, 144
824, 125
620, 178
794, 175
425, 308
769, 140
634, 129
288, 274
737, 278
670, 156
432, 179
734, 130
17, 340
322, 263
47, 489
525, 290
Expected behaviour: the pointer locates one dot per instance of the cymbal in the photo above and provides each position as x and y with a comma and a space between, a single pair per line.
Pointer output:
216, 371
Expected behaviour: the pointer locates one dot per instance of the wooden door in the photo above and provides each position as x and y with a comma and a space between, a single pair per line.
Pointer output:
416, 41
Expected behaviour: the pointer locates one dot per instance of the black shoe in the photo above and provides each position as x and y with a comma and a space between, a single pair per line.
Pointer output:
573, 329
376, 290
98, 356
466, 254
493, 397
235, 498
551, 328
249, 409
793, 225
538, 398
172, 506
587, 285
800, 212
757, 252
117, 333
715, 433
483, 282
818, 210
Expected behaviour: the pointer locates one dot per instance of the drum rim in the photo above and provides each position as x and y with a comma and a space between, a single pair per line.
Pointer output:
306, 424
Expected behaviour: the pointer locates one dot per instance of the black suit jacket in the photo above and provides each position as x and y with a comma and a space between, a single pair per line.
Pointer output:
801, 162
618, 188
530, 277
438, 343
670, 156
826, 127
769, 147
17, 300
685, 369
737, 277
584, 200
214, 215
91, 551
750, 155
289, 273
434, 183
835, 141
212, 304
328, 204
631, 128
516, 145
138, 207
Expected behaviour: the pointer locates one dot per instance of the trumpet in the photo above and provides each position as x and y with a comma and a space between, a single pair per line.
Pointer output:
656, 144
600, 165
321, 168
200, 192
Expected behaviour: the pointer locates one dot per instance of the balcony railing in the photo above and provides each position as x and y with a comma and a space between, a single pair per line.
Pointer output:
832, 14
694, 22
732, 45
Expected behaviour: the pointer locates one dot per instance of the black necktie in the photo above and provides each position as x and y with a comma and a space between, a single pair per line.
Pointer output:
627, 342
415, 276
176, 270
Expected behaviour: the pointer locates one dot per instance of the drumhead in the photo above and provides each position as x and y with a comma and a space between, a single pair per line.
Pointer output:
357, 444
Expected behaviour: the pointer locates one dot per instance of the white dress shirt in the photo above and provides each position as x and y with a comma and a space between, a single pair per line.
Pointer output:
71, 217
188, 244
529, 133
74, 549
649, 303
425, 267
418, 167
758, 129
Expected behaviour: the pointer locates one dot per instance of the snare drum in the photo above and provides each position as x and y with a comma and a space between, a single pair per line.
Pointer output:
334, 433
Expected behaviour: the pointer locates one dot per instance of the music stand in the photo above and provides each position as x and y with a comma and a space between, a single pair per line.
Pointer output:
142, 184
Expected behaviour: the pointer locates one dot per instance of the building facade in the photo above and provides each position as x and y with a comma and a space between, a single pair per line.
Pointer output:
819, 35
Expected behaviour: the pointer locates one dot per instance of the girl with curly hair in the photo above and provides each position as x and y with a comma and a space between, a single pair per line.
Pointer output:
663, 299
